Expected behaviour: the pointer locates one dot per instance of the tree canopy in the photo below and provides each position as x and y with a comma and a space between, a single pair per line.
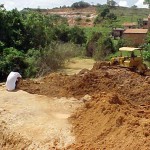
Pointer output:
80, 4
147, 2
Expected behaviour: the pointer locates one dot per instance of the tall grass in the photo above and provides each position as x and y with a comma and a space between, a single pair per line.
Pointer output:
51, 58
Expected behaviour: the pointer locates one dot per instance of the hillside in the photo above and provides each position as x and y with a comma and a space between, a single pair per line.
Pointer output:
88, 14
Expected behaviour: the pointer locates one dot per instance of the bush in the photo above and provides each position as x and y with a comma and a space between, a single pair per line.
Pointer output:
88, 20
32, 57
105, 47
92, 44
146, 53
53, 57
77, 35
88, 15
80, 4
10, 59
78, 19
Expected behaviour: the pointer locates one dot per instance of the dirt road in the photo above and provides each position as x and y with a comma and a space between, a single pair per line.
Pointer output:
35, 121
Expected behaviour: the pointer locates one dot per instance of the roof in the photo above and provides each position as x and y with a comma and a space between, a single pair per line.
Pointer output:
130, 49
129, 24
118, 29
145, 19
136, 31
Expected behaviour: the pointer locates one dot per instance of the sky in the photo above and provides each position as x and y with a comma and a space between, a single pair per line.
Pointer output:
20, 4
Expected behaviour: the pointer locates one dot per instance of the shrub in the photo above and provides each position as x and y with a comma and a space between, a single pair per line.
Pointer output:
80, 4
78, 19
53, 57
32, 58
88, 15
87, 20
10, 59
77, 35
105, 47
146, 53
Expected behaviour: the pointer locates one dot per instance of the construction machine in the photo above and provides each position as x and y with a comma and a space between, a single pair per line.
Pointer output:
131, 58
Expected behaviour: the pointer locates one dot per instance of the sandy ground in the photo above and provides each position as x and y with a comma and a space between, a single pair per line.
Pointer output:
75, 65
34, 121
39, 119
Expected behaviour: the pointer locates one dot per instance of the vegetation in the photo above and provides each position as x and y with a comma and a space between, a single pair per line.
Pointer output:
39, 44
147, 2
27, 42
80, 4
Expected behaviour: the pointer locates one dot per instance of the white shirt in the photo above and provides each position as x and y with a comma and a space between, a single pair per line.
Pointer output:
11, 80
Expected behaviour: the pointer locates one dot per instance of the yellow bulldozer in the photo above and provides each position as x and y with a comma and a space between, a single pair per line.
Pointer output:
128, 58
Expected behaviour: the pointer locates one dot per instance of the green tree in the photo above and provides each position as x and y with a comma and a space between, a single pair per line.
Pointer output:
92, 44
105, 12
62, 33
112, 16
80, 4
105, 47
111, 3
9, 59
77, 35
147, 2
134, 6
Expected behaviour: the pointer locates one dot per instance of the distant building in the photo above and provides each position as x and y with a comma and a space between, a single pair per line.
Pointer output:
145, 23
135, 37
117, 32
129, 25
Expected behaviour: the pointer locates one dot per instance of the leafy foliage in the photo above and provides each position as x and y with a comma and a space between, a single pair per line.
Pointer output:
77, 35
111, 3
105, 47
54, 56
147, 2
80, 4
10, 59
105, 14
27, 39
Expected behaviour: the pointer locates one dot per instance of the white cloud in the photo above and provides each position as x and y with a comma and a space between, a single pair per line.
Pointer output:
20, 4
8, 4
123, 3
139, 3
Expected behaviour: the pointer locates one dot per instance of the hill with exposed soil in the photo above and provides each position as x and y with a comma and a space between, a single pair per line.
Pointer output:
79, 16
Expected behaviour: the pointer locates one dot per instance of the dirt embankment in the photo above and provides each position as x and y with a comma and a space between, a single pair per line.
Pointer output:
86, 15
116, 117
132, 86
109, 122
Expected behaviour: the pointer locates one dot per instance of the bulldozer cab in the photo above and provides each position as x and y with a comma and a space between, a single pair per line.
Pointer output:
130, 56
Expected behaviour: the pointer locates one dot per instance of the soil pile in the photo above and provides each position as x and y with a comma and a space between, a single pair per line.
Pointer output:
134, 87
116, 117
109, 122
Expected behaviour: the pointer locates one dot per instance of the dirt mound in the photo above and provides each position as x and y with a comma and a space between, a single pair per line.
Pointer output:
109, 122
132, 86
116, 117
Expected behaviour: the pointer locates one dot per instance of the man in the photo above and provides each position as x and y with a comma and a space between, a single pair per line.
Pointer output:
12, 80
